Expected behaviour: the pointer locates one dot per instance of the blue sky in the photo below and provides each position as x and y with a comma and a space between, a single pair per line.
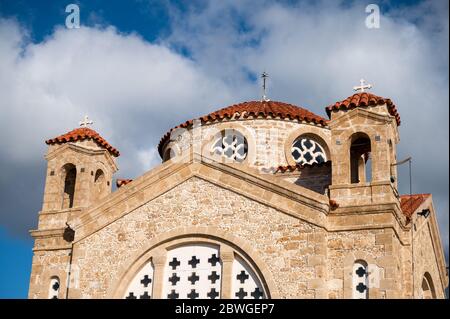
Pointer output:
15, 261
149, 18
133, 62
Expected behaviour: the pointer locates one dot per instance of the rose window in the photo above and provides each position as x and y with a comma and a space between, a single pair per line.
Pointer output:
230, 144
307, 151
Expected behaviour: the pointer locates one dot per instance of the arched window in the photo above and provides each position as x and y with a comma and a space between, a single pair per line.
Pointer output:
70, 176
168, 154
196, 271
427, 290
53, 291
307, 150
99, 177
360, 282
230, 144
99, 183
142, 284
360, 169
246, 284
392, 160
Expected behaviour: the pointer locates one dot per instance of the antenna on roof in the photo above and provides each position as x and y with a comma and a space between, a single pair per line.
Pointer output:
264, 76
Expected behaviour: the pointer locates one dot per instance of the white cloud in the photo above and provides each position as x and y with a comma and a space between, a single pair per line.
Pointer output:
134, 90
148, 158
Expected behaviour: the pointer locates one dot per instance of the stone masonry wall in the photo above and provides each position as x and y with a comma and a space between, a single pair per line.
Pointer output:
424, 258
284, 243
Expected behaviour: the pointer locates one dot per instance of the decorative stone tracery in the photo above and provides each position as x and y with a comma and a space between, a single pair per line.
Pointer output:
306, 150
230, 144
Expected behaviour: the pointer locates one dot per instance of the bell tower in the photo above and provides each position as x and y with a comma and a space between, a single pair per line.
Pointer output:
364, 130
80, 166
79, 171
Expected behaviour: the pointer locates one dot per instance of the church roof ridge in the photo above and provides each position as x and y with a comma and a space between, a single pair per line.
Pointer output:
362, 99
265, 108
80, 134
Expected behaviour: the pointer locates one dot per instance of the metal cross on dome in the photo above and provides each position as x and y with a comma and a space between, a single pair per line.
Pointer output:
264, 76
85, 122
362, 86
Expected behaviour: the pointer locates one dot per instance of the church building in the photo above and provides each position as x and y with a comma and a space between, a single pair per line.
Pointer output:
260, 199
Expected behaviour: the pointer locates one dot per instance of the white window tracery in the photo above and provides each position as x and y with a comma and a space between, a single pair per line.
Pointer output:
55, 285
306, 150
246, 284
360, 280
230, 144
142, 284
195, 271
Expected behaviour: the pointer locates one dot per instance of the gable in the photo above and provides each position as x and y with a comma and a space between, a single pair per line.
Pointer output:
194, 205
287, 198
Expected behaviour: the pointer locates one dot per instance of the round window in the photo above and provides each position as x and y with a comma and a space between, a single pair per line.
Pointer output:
306, 150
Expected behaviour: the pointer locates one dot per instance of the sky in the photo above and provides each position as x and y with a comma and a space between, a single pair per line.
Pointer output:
138, 68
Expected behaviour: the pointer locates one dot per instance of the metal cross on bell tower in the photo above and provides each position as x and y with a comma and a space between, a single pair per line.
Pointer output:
264, 76
85, 122
362, 86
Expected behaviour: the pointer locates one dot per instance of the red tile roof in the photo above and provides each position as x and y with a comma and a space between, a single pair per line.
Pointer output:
253, 108
80, 134
333, 204
292, 168
122, 182
409, 203
362, 100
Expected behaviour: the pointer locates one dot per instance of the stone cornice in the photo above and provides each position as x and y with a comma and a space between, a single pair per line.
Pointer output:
395, 205
62, 211
381, 118
377, 216
81, 149
53, 239
348, 115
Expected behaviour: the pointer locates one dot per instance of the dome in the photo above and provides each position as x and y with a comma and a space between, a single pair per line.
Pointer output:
364, 99
253, 109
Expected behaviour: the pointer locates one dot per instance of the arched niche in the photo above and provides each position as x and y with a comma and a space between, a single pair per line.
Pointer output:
360, 158
427, 290
69, 178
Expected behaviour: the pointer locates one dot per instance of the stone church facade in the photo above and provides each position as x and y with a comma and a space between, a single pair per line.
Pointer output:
260, 199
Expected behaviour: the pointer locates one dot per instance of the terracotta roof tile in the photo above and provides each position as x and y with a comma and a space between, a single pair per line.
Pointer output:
409, 203
122, 182
83, 133
253, 109
333, 204
292, 168
362, 100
